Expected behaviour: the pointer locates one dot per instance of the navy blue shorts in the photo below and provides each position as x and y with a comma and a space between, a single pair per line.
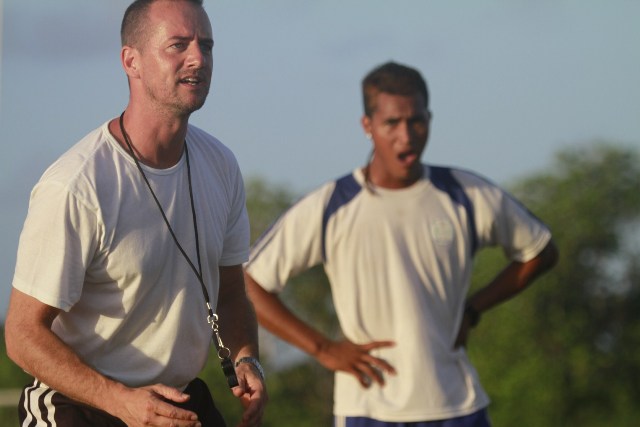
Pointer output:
477, 419
40, 405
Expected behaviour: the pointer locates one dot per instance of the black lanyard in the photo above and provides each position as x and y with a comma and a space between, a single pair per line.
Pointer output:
224, 354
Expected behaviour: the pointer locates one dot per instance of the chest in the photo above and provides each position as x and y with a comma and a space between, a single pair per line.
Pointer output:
149, 233
427, 223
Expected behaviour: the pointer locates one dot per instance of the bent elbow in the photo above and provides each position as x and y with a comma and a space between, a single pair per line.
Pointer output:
12, 342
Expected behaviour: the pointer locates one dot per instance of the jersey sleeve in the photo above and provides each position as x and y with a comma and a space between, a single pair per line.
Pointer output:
292, 244
236, 242
503, 221
57, 243
521, 234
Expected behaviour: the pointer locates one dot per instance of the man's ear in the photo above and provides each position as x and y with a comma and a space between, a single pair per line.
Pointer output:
365, 121
129, 59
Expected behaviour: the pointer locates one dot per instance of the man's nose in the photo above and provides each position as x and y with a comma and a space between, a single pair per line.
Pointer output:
196, 57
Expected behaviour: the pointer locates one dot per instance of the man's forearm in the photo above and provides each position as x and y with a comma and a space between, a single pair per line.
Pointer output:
238, 323
514, 279
282, 322
43, 355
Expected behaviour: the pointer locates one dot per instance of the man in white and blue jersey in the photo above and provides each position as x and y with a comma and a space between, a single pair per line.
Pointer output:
397, 240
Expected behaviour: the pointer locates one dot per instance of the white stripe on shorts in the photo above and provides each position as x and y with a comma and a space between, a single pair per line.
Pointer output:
33, 396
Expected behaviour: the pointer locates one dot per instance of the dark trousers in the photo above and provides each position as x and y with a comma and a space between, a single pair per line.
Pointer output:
40, 405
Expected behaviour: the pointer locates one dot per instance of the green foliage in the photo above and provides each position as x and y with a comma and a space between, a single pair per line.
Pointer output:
11, 377
265, 204
563, 352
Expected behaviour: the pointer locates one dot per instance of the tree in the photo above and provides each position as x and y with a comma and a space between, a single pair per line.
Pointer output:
563, 353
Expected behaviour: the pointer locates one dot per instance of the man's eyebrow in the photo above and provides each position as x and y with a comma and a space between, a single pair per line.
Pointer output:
207, 40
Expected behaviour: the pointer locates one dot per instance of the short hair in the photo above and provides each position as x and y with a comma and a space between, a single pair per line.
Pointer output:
394, 79
134, 22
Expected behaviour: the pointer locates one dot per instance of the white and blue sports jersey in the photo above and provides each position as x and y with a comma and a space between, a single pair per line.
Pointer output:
399, 263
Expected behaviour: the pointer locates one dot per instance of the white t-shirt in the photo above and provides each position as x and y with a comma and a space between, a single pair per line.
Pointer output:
399, 263
94, 244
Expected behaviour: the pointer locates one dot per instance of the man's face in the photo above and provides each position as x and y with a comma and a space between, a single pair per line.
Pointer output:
175, 61
399, 128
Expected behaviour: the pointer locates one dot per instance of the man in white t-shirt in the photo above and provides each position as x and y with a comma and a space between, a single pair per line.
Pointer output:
397, 240
129, 265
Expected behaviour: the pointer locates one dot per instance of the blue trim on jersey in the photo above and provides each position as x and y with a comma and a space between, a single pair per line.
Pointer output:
443, 179
345, 190
477, 419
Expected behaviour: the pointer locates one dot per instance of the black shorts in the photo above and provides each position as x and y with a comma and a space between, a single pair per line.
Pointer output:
40, 405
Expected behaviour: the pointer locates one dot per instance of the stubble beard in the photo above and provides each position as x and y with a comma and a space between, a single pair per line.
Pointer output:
173, 103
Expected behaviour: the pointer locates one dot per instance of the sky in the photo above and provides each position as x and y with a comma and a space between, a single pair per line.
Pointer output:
511, 83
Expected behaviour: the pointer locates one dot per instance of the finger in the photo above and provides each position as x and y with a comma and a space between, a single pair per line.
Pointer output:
463, 335
365, 381
379, 364
238, 391
167, 410
247, 379
377, 344
253, 405
370, 373
169, 393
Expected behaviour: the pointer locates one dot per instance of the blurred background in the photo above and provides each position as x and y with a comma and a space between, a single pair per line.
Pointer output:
542, 97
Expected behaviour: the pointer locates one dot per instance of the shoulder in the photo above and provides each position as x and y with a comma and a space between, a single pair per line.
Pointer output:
470, 187
208, 143
211, 153
337, 192
342, 191
83, 166
465, 177
470, 182
323, 199
77, 158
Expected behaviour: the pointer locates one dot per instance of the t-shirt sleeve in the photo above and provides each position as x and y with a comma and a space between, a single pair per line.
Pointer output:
503, 221
291, 245
56, 245
521, 234
236, 241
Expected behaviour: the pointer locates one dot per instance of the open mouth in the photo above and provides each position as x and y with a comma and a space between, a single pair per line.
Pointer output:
193, 81
408, 157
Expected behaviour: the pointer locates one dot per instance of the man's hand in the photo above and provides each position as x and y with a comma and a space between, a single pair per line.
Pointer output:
151, 406
463, 333
356, 360
252, 393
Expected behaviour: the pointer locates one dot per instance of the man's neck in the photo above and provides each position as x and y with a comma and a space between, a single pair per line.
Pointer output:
156, 141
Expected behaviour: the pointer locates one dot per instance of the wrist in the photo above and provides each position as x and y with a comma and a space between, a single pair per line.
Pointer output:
472, 314
254, 362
